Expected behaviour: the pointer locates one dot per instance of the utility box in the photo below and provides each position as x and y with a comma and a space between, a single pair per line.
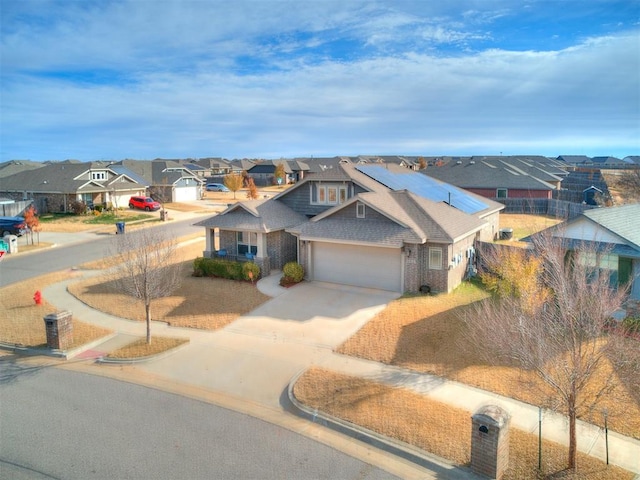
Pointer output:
59, 329
12, 243
490, 442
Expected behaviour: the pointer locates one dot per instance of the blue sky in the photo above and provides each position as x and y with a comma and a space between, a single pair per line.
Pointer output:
143, 79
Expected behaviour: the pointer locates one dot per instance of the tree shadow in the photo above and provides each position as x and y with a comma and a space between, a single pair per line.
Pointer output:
441, 344
12, 367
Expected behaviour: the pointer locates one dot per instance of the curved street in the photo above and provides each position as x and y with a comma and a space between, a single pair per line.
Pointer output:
59, 424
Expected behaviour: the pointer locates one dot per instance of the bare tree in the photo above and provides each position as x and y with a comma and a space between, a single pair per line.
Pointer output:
147, 267
552, 315
629, 184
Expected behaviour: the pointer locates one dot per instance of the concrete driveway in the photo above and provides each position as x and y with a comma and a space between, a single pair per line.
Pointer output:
256, 356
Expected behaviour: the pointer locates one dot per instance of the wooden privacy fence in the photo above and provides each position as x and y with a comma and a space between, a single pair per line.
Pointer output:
543, 206
14, 209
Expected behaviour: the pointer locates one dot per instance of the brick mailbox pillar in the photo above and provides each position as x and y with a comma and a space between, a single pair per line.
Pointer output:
59, 330
490, 441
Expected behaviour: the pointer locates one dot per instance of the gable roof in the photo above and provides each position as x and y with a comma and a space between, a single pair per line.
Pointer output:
411, 219
497, 172
264, 215
16, 166
155, 172
398, 178
623, 221
617, 230
269, 166
64, 177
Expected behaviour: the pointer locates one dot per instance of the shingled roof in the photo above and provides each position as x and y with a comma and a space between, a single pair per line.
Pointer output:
264, 215
497, 172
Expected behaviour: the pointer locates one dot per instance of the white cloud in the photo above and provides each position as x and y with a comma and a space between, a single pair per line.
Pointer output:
182, 92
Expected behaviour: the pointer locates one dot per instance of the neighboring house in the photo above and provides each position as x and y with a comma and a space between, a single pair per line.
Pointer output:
263, 173
499, 177
239, 166
16, 166
214, 167
54, 186
574, 159
615, 231
375, 226
169, 180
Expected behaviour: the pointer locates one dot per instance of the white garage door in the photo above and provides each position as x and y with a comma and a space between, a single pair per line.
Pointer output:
186, 194
370, 267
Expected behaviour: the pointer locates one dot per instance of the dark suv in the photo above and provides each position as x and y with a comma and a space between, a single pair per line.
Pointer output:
144, 203
12, 226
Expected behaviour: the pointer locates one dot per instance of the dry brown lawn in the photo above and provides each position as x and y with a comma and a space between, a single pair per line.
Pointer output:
426, 334
205, 303
140, 348
432, 426
524, 225
22, 321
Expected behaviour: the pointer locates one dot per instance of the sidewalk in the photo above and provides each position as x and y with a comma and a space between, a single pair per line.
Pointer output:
225, 348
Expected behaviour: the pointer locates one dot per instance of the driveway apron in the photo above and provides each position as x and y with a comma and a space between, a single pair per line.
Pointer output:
256, 356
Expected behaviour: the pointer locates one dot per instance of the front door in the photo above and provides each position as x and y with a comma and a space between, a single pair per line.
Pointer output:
625, 267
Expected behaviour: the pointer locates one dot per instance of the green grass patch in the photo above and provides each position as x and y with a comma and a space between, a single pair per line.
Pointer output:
109, 218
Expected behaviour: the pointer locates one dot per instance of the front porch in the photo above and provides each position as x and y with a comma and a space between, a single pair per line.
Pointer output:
223, 254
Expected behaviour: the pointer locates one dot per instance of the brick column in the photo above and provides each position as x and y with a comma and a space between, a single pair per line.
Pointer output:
490, 442
59, 330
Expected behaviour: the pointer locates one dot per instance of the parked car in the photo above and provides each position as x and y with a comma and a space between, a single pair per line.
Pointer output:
144, 203
12, 226
216, 187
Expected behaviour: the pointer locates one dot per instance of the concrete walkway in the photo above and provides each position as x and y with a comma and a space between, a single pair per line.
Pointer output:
257, 356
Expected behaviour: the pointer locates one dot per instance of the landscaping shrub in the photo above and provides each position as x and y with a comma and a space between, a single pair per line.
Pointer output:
292, 272
78, 208
215, 267
250, 271
632, 324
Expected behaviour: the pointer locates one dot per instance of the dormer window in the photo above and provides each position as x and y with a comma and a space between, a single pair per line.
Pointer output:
360, 210
327, 194
99, 175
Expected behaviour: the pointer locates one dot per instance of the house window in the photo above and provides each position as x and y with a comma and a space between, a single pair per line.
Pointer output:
435, 258
98, 175
332, 195
501, 193
247, 243
359, 210
328, 194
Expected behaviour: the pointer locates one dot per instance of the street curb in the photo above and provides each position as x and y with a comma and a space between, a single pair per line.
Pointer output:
54, 352
129, 361
382, 442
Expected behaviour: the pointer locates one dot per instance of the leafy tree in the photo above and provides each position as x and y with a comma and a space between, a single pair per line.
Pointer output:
146, 267
552, 315
422, 163
252, 192
32, 221
279, 173
233, 182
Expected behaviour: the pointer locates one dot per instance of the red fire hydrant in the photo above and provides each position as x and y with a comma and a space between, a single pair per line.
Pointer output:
37, 297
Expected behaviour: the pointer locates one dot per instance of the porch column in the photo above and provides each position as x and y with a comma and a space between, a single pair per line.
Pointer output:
262, 245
